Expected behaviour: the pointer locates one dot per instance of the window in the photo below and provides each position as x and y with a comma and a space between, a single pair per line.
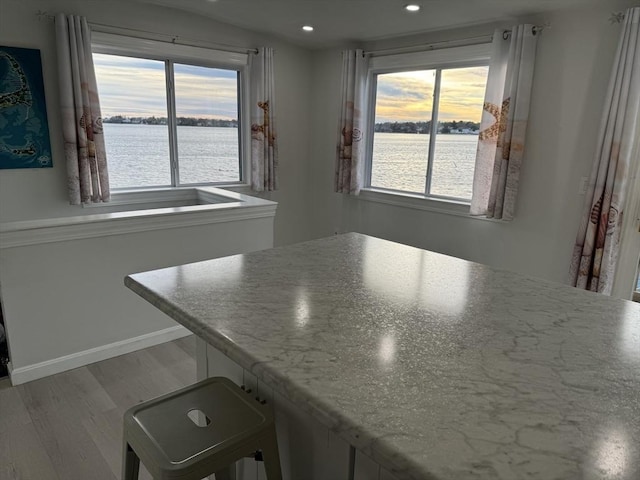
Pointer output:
426, 116
172, 114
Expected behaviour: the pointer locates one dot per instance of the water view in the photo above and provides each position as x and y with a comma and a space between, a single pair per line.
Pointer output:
400, 163
139, 156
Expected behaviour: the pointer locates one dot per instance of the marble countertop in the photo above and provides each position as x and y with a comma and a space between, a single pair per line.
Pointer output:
436, 367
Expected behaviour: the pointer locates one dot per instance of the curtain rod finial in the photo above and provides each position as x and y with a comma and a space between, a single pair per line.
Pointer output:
539, 28
616, 17
44, 15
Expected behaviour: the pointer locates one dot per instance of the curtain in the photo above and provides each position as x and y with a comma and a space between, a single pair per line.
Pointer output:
598, 240
87, 175
504, 122
264, 150
350, 158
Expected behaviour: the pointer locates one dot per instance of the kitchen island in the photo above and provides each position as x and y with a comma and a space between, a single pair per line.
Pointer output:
432, 366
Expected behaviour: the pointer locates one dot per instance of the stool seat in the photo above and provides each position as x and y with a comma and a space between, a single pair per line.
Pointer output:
229, 425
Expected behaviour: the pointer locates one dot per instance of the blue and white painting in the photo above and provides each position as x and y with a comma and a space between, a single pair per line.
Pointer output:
24, 132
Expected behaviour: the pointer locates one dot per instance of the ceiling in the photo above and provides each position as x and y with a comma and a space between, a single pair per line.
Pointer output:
338, 22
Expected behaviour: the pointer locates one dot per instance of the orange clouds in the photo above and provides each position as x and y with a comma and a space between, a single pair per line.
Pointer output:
408, 96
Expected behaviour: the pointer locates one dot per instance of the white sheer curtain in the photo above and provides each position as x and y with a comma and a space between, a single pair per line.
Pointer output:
596, 251
87, 175
350, 158
264, 148
504, 123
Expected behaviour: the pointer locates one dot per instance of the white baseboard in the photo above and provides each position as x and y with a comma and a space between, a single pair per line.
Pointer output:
68, 362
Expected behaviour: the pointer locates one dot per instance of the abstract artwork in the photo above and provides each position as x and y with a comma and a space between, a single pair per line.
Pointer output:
24, 132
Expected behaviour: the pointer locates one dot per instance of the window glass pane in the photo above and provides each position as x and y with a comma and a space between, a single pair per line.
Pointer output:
207, 124
401, 135
459, 113
133, 100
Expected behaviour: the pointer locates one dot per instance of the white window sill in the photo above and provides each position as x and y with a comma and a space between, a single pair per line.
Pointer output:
158, 195
420, 202
176, 209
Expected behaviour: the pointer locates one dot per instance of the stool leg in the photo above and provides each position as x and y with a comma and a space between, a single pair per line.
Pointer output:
271, 456
130, 464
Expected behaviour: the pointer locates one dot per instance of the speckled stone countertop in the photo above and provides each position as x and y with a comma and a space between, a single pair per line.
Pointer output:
435, 367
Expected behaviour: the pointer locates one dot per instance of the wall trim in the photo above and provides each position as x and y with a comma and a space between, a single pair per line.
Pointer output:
28, 373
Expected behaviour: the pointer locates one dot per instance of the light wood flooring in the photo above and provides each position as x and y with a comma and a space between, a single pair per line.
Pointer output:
69, 426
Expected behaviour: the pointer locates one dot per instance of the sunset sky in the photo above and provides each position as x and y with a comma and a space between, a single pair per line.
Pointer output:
408, 96
135, 87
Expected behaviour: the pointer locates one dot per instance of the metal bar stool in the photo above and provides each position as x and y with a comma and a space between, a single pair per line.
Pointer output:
197, 431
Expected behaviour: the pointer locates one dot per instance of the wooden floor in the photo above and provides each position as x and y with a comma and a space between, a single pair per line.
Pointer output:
69, 426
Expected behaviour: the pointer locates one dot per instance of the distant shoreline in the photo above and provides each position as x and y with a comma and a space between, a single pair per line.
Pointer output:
181, 121
456, 127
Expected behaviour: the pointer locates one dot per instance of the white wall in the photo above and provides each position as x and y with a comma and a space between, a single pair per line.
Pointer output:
41, 193
573, 65
66, 304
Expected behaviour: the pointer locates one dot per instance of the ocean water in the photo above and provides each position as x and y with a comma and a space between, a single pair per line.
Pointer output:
139, 157
400, 163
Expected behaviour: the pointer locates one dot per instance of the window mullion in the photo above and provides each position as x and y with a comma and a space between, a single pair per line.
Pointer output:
434, 131
240, 109
172, 124
371, 109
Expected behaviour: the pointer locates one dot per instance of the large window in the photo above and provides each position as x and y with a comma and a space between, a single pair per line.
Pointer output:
427, 110
170, 118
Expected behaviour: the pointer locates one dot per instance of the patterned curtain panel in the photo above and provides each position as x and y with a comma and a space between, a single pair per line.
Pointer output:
596, 251
264, 149
350, 159
87, 176
504, 123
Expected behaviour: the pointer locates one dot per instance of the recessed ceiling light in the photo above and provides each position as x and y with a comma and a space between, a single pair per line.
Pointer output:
307, 28
412, 7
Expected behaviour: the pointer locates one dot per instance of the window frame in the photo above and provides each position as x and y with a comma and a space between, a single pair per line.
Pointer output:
440, 59
635, 294
170, 54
